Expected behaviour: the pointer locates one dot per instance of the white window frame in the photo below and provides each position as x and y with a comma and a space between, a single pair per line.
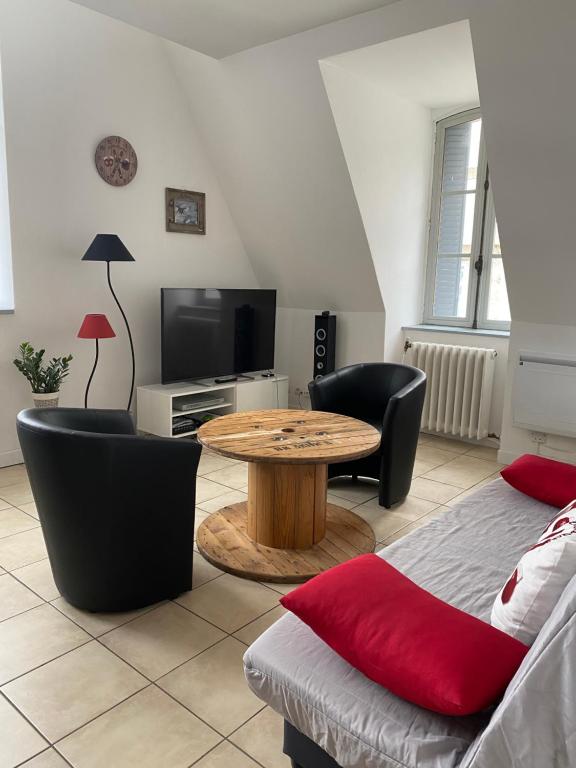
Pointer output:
490, 219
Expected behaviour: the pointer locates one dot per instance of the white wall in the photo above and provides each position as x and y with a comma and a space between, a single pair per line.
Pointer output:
359, 339
72, 76
535, 337
387, 142
265, 118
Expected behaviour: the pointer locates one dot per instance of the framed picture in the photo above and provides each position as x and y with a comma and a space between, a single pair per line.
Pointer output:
185, 211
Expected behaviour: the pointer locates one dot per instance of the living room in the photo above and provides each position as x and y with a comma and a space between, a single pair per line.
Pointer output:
338, 268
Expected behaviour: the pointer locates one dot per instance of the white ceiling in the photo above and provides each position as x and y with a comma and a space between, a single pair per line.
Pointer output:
223, 27
434, 68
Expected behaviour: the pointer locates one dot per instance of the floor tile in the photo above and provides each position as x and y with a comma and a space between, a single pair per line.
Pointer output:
35, 637
211, 463
252, 631
262, 738
432, 490
203, 571
385, 522
411, 507
484, 452
17, 494
213, 505
229, 602
15, 598
235, 476
47, 759
97, 624
412, 526
13, 520
4, 504
66, 693
148, 730
361, 491
22, 549
12, 475
339, 501
462, 471
420, 468
213, 686
38, 576
226, 755
282, 589
206, 489
162, 639
429, 454
30, 509
446, 443
18, 740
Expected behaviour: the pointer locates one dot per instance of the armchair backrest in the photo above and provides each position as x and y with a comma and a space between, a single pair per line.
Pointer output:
362, 390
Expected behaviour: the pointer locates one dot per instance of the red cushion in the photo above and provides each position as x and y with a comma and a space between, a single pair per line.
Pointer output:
552, 482
405, 639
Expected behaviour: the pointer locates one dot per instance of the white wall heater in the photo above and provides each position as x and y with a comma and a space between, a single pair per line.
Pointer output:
544, 393
459, 387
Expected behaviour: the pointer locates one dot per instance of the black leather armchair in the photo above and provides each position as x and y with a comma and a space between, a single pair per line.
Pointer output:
390, 397
117, 510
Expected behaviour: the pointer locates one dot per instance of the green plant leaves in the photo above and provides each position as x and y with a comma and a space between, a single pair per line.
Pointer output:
42, 378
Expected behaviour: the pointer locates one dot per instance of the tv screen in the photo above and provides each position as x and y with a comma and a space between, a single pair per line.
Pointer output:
209, 332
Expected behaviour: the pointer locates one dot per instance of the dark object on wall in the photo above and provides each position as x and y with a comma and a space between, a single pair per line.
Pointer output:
324, 344
110, 248
94, 327
117, 510
389, 396
185, 211
116, 161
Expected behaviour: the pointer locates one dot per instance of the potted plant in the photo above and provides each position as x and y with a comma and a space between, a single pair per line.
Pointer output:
45, 380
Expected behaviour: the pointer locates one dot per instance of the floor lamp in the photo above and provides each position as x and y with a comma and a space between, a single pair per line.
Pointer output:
94, 327
110, 248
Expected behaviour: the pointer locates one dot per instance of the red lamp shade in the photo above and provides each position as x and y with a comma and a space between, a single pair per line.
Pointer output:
96, 327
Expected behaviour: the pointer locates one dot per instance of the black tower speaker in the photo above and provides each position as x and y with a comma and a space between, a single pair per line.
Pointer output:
324, 344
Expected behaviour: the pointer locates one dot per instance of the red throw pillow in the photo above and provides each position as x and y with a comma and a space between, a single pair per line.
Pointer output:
553, 482
402, 637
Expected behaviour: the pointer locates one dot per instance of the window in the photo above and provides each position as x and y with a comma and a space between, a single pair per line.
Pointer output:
6, 292
465, 283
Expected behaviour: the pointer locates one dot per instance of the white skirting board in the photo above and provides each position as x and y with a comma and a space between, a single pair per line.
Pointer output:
9, 458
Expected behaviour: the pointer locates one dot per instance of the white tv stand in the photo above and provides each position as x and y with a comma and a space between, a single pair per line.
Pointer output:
156, 403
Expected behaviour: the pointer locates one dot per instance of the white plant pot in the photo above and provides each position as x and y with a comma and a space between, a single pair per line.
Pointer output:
45, 399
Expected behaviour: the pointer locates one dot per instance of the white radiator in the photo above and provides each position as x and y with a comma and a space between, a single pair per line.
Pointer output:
459, 387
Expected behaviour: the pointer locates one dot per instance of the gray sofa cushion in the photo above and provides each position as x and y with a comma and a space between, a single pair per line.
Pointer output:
463, 557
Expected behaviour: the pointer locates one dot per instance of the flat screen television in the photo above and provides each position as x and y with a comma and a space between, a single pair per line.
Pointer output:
214, 332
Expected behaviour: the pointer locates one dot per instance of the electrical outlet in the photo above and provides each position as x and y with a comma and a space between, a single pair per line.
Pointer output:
538, 437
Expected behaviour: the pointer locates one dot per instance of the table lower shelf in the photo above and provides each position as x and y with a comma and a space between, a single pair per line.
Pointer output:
223, 540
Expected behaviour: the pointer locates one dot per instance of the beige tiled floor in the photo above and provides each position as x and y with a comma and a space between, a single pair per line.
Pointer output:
164, 686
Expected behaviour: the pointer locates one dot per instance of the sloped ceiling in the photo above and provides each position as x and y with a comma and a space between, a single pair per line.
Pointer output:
221, 27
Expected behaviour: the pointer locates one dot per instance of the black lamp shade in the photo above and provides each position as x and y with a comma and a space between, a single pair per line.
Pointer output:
107, 248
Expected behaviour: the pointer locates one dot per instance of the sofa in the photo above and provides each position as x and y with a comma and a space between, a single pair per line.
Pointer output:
390, 397
116, 509
337, 718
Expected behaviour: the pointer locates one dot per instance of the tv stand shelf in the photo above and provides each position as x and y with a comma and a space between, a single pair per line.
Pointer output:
156, 413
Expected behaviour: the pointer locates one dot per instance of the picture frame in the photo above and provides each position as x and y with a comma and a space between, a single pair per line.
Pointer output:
185, 211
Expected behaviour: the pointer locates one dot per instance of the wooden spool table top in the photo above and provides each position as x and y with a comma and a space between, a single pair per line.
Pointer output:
289, 437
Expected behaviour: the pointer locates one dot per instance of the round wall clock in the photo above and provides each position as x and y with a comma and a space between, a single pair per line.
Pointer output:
116, 161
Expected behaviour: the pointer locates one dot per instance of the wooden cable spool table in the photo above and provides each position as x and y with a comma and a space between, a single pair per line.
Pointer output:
286, 531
